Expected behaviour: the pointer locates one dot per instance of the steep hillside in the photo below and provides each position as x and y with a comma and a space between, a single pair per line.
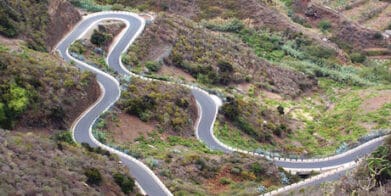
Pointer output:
40, 91
347, 34
41, 24
211, 58
373, 14
33, 164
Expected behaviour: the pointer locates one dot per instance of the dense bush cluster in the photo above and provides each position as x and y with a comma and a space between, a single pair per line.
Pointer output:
93, 176
125, 182
100, 38
219, 24
172, 106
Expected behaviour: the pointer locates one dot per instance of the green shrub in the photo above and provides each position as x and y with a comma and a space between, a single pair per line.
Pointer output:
153, 66
98, 38
139, 105
15, 101
236, 170
246, 127
117, 7
357, 57
319, 51
64, 136
93, 176
230, 25
230, 109
281, 110
225, 181
324, 25
126, 183
288, 3
77, 47
257, 169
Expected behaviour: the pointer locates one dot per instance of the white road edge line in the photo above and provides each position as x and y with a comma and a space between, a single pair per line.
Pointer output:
157, 180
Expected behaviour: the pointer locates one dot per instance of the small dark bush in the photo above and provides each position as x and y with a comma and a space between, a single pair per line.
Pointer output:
99, 38
324, 25
153, 66
281, 110
64, 136
357, 57
87, 147
257, 169
126, 183
378, 35
231, 109
225, 66
320, 52
93, 176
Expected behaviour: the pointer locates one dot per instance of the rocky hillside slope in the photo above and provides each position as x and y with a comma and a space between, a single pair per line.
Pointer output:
41, 24
344, 32
33, 164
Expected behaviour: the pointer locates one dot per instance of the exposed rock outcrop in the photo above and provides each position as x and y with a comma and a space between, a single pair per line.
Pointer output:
62, 17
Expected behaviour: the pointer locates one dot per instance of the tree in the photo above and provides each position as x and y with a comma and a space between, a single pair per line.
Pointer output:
99, 38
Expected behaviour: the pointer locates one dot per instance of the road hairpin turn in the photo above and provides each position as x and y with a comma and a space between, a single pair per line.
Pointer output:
208, 110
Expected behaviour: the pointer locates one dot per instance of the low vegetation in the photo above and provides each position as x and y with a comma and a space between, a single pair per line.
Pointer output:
35, 164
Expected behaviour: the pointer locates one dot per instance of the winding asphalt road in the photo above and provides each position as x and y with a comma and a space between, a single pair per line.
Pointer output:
111, 92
